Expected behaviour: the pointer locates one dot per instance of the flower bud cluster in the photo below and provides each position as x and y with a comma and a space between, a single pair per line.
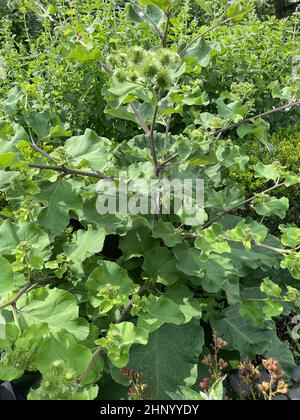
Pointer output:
215, 364
151, 69
138, 388
276, 385
59, 383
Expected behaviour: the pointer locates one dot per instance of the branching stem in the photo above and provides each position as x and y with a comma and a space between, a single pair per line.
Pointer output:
14, 300
241, 204
255, 117
67, 171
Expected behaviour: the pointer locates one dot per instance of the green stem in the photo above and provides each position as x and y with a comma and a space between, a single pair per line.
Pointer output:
255, 117
221, 21
67, 171
165, 36
241, 204
100, 350
14, 300
15, 314
91, 366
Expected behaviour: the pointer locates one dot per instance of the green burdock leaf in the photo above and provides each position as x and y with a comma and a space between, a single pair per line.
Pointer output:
11, 235
241, 334
280, 351
8, 335
170, 358
55, 307
32, 336
6, 276
80, 54
89, 148
108, 285
7, 159
245, 231
245, 261
12, 103
251, 340
39, 122
137, 242
253, 310
6, 177
20, 349
270, 288
188, 261
153, 14
290, 236
160, 265
218, 271
166, 232
183, 297
85, 243
269, 172
231, 110
162, 4
123, 89
64, 348
292, 263
159, 311
60, 198
189, 394
272, 206
272, 309
214, 270
10, 372
200, 53
133, 15
210, 240
238, 10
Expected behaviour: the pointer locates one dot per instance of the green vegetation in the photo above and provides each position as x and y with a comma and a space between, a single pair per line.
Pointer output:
103, 306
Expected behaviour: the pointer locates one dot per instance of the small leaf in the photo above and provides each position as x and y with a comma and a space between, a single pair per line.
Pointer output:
272, 309
200, 53
162, 4
272, 206
269, 172
112, 278
189, 394
238, 10
7, 160
86, 243
81, 54
270, 288
290, 236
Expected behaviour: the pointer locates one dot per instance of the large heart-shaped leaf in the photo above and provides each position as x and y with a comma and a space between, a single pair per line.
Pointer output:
55, 307
170, 358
